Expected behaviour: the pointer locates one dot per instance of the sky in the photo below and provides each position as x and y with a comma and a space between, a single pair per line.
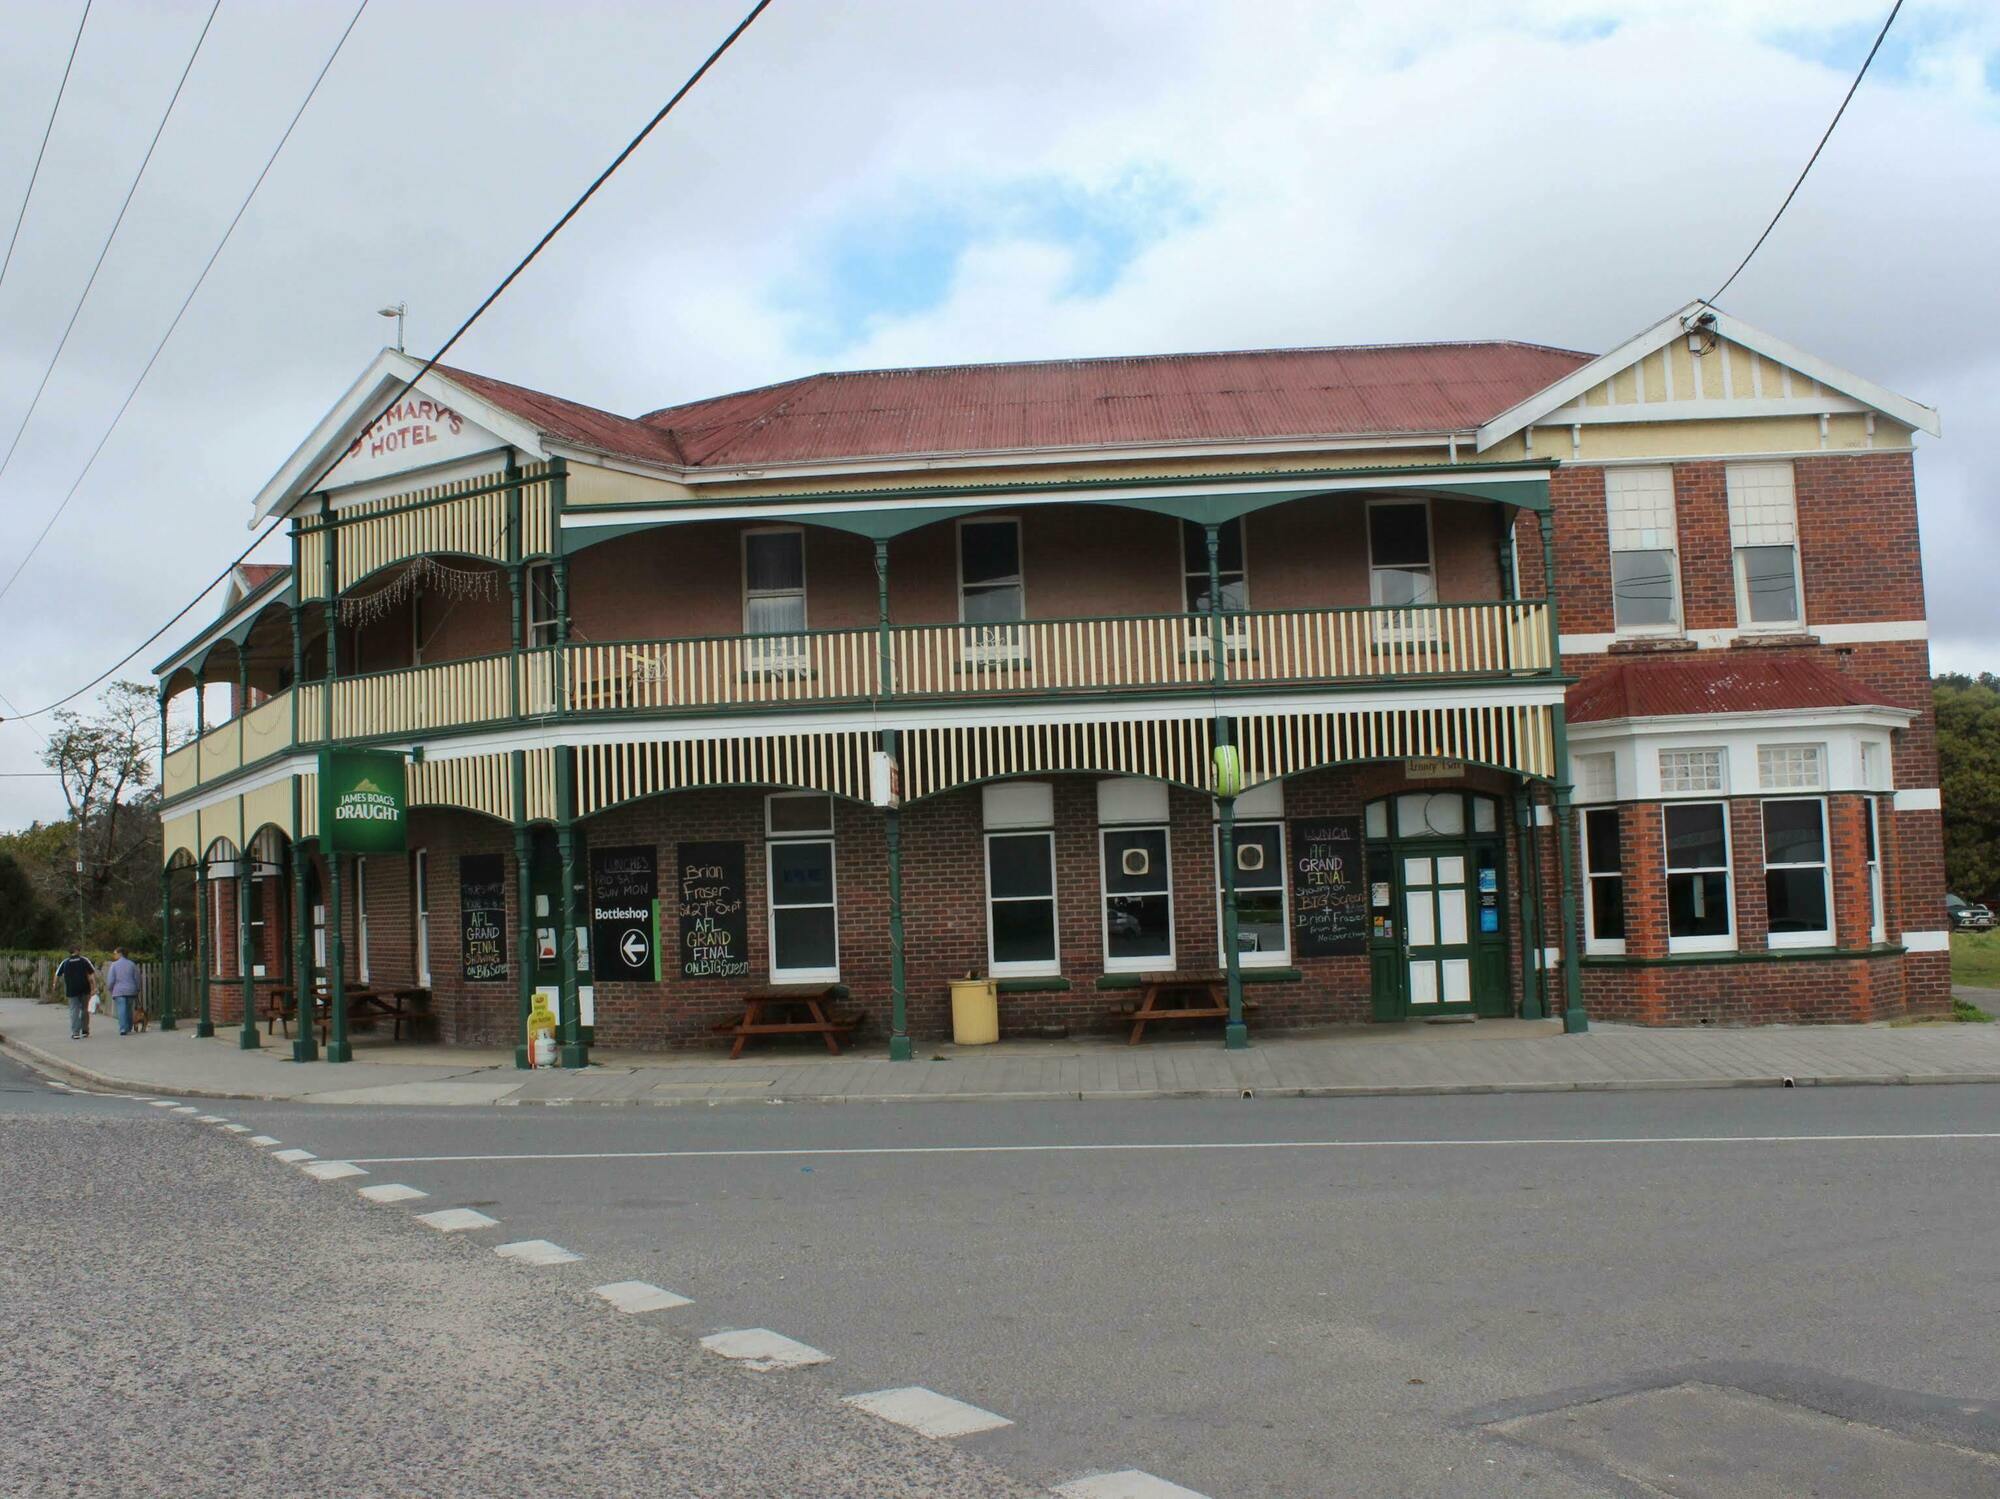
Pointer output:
863, 183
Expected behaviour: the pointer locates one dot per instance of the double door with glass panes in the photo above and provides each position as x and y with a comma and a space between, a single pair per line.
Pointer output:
1437, 940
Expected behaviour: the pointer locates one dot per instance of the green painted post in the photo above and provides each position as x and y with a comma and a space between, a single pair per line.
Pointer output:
574, 1052
242, 711
167, 1020
512, 479
338, 1048
298, 670
330, 584
1529, 899
202, 1025
1235, 1034
305, 1045
1574, 1019
524, 884
1547, 523
246, 1035
900, 1049
559, 576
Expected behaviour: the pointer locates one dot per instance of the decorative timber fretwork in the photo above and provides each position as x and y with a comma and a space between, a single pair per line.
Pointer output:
837, 762
466, 517
484, 783
1166, 749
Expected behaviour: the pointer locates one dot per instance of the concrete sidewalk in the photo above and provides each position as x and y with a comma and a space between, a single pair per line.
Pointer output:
1491, 1056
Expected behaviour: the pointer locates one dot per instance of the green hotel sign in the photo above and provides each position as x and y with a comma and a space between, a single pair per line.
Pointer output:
364, 802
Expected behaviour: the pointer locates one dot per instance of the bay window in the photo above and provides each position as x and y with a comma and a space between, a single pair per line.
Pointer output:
1798, 898
1603, 881
1871, 826
1697, 858
799, 885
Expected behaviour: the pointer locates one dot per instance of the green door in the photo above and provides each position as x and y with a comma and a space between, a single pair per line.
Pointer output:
1437, 939
1437, 928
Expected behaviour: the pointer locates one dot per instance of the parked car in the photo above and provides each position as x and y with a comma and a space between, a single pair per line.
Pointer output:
1968, 916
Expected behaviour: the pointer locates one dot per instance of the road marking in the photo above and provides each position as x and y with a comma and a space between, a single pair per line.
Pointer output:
163, 1103
763, 1350
267, 1141
640, 1296
457, 1220
392, 1192
1127, 1483
927, 1411
293, 1155
331, 1171
536, 1252
184, 1108
1163, 1145
209, 1119
237, 1129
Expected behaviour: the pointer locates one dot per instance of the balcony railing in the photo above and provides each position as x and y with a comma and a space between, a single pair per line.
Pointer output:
1163, 652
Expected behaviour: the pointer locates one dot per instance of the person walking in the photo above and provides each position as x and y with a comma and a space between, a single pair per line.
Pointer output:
78, 976
122, 979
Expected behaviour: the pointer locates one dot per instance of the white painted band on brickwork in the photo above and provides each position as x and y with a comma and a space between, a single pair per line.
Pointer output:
1544, 816
1927, 941
1920, 799
1866, 632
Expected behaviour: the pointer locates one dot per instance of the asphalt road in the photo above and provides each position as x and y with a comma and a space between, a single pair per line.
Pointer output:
1697, 1294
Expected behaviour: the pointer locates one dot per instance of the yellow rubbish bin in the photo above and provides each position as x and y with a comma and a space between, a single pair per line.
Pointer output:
975, 1011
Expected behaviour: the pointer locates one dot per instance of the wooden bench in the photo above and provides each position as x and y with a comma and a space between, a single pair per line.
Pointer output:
812, 998
364, 1003
1212, 989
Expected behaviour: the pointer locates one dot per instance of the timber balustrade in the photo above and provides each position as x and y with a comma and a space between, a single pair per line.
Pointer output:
1029, 657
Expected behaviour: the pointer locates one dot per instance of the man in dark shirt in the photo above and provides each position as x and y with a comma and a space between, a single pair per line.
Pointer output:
78, 977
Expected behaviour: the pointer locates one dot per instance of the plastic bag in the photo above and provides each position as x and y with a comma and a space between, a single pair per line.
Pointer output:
96, 1004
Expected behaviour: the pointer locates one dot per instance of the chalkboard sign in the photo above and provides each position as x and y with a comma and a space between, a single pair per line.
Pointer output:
482, 914
1329, 887
624, 913
715, 924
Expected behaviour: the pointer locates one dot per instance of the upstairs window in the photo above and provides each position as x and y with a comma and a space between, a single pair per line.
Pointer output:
1692, 770
1764, 532
1400, 572
1645, 569
1229, 567
989, 572
774, 582
1790, 767
541, 603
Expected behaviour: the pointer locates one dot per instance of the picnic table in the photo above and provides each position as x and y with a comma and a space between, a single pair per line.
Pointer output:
364, 1002
1203, 996
811, 999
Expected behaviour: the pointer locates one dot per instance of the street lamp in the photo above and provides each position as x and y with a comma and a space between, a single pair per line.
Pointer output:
397, 313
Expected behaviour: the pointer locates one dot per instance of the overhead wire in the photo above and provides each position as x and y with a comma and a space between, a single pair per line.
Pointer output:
589, 192
76, 311
186, 302
1851, 88
42, 150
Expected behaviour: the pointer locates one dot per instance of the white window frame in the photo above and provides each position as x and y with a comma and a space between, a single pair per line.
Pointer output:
253, 935
361, 916
1020, 557
1823, 936
420, 898
1744, 624
1726, 941
1155, 961
1282, 957
1000, 644
1041, 967
1769, 755
1193, 582
749, 593
1696, 793
541, 630
1430, 550
772, 840
1878, 920
1594, 945
1613, 478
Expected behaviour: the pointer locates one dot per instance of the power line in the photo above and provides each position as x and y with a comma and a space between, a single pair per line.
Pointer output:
186, 302
47, 130
602, 177
77, 310
1884, 32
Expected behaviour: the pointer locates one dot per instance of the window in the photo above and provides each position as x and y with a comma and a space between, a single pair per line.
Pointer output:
1871, 827
774, 582
805, 946
1796, 894
1021, 903
1262, 927
420, 880
989, 572
541, 603
1872, 761
1645, 573
1790, 767
223, 917
1698, 915
1597, 778
1138, 900
1603, 882
1763, 529
260, 881
361, 916
1399, 555
1683, 771
317, 899
1229, 566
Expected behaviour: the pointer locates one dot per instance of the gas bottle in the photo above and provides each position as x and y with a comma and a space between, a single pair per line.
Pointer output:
541, 1033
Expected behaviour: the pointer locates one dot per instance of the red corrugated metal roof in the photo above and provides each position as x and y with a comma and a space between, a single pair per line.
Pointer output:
257, 574
1271, 394
1716, 682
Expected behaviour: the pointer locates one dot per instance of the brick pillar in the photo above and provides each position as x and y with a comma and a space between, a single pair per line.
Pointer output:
1645, 862
1746, 857
1847, 852
1708, 569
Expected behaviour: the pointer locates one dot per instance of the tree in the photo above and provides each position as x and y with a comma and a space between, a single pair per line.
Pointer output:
26, 920
1968, 720
105, 763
